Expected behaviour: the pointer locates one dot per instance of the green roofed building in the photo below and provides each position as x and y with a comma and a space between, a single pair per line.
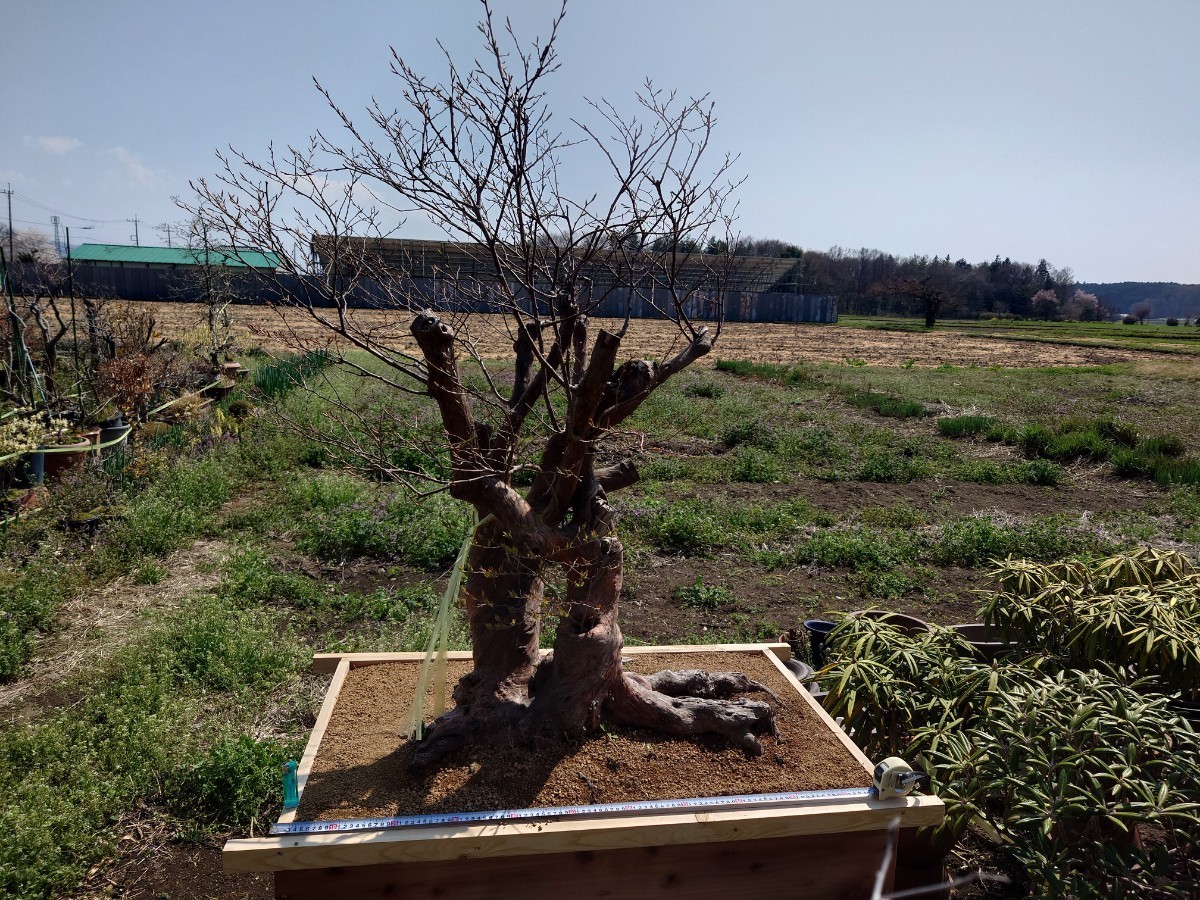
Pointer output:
123, 257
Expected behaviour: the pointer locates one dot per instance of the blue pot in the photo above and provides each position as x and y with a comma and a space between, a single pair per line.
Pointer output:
31, 469
818, 630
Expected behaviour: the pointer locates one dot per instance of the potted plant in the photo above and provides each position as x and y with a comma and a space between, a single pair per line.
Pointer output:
21, 434
65, 448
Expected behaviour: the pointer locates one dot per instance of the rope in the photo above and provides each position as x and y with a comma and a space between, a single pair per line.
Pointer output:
433, 667
74, 448
177, 399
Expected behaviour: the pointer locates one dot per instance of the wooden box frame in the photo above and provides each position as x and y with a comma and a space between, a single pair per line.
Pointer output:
817, 849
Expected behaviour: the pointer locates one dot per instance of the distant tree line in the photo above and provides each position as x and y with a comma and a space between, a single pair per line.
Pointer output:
871, 282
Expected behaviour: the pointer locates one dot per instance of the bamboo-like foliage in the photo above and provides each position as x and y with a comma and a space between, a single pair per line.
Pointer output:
1066, 750
1061, 768
1139, 610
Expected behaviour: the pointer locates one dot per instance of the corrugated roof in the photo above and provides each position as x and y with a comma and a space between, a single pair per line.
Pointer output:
179, 256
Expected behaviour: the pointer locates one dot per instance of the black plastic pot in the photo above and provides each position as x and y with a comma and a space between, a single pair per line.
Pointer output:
114, 432
818, 630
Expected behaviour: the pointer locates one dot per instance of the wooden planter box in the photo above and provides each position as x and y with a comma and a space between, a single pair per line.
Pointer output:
816, 848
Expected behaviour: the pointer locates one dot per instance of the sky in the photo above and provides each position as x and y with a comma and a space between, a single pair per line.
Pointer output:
1062, 130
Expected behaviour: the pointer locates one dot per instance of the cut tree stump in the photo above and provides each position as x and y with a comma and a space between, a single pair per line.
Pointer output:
819, 848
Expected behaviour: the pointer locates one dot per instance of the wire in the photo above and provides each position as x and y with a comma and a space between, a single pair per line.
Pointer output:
58, 212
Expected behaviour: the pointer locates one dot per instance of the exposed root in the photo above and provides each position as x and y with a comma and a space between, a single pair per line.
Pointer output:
712, 685
638, 700
450, 732
682, 703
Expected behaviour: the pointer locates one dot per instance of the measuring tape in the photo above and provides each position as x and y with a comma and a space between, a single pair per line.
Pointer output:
734, 801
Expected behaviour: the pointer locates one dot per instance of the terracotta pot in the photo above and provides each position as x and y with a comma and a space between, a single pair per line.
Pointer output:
910, 625
60, 458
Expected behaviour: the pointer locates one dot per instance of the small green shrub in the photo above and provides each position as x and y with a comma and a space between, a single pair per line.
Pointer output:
1041, 471
889, 466
962, 426
277, 378
149, 573
1035, 471
753, 433
1176, 471
751, 464
859, 549
344, 521
702, 596
975, 540
685, 528
1132, 464
220, 647
709, 390
900, 515
1163, 445
744, 368
236, 780
886, 405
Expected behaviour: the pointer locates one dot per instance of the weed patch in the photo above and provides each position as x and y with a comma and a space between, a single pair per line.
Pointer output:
744, 368
886, 404
975, 540
702, 596
965, 426
345, 519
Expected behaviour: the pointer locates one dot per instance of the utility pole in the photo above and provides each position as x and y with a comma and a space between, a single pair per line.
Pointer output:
135, 221
10, 231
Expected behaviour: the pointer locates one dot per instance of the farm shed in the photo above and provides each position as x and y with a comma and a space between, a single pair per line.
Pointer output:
170, 258
164, 273
753, 288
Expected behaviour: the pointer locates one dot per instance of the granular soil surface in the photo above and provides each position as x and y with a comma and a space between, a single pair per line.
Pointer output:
364, 765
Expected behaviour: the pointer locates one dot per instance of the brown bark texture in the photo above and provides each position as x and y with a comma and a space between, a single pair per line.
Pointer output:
515, 695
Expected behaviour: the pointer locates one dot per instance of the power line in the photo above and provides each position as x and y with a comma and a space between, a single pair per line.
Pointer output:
50, 209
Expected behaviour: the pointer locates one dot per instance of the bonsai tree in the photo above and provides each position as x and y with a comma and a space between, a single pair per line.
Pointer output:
480, 157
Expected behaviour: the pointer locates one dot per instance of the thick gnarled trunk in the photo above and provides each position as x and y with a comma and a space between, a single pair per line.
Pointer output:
514, 694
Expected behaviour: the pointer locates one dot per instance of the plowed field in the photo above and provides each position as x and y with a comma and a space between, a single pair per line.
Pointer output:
278, 330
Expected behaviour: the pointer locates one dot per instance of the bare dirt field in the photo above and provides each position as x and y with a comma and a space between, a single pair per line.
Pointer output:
278, 330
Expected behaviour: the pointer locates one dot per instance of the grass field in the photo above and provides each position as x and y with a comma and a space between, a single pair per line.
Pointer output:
155, 670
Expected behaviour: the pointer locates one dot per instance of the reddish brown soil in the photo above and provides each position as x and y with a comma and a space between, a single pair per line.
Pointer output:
177, 871
364, 768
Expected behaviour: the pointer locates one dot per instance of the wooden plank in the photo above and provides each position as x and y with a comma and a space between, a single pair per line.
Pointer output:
324, 663
315, 851
370, 848
318, 732
818, 866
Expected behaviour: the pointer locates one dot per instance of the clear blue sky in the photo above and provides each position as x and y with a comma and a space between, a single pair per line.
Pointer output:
1065, 130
